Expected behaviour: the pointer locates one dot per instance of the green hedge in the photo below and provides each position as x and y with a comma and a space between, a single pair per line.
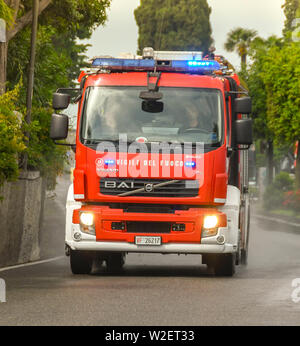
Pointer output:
275, 193
43, 154
11, 136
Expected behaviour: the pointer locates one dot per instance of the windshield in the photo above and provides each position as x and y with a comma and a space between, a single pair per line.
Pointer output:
189, 115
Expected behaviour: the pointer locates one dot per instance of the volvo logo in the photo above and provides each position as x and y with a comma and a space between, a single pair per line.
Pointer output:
149, 187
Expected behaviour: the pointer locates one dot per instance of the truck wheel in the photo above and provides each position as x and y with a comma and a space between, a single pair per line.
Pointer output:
222, 264
81, 263
115, 262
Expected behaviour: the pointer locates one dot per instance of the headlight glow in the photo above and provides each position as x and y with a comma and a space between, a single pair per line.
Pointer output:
87, 219
210, 221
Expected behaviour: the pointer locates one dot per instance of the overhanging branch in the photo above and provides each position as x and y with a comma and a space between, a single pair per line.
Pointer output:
26, 19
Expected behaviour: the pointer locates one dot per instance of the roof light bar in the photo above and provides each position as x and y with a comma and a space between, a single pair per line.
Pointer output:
189, 66
124, 64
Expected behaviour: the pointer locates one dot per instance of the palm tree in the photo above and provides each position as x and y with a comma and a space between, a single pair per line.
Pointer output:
239, 40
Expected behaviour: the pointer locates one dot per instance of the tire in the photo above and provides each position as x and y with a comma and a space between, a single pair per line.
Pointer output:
115, 262
81, 263
222, 264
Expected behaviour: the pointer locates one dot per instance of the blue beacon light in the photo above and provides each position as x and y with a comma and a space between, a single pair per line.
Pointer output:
195, 66
109, 162
190, 164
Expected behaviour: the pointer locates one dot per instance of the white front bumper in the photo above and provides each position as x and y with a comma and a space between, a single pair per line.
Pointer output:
89, 243
164, 248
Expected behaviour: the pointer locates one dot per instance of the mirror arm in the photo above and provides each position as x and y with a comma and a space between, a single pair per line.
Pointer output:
230, 93
65, 144
247, 147
78, 98
231, 150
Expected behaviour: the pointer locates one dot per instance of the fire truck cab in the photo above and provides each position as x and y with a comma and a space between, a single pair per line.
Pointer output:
161, 161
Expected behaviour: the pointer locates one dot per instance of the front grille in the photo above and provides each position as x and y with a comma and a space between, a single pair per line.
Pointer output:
161, 209
148, 227
180, 188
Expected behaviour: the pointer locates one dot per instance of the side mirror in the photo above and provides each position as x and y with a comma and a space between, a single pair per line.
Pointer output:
243, 105
244, 135
61, 101
152, 106
59, 126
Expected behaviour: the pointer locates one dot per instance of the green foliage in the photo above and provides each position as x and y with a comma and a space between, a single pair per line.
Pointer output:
52, 67
283, 182
6, 12
258, 50
291, 11
274, 82
239, 40
77, 17
59, 58
275, 193
174, 25
43, 154
281, 76
11, 144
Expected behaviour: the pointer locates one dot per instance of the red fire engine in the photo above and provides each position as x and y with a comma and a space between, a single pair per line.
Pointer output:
161, 161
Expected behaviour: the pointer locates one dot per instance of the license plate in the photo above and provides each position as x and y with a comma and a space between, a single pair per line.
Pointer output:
151, 241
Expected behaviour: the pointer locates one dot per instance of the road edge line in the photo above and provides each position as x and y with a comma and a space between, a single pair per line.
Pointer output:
276, 220
31, 263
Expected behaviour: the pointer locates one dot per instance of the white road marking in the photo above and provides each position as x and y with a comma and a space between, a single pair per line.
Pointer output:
31, 263
277, 220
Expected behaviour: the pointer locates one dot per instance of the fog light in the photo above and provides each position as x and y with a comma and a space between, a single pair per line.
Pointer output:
209, 232
118, 226
221, 239
77, 236
210, 221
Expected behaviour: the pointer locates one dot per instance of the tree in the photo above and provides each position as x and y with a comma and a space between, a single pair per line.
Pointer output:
82, 17
239, 40
291, 11
281, 76
174, 25
258, 49
58, 60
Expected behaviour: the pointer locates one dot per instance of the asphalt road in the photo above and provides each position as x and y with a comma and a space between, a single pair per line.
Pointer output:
156, 289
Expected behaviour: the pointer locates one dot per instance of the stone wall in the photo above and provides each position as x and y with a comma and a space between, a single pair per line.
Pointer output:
21, 214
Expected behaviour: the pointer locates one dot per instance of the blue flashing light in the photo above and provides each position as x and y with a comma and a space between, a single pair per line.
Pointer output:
197, 65
109, 162
193, 66
190, 164
200, 63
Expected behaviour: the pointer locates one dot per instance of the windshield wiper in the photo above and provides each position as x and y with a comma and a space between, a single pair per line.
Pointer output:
97, 141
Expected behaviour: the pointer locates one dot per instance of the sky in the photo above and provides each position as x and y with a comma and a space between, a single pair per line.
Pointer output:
120, 32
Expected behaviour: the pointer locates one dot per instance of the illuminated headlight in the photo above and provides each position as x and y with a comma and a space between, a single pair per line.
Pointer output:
87, 219
210, 228
87, 223
210, 221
